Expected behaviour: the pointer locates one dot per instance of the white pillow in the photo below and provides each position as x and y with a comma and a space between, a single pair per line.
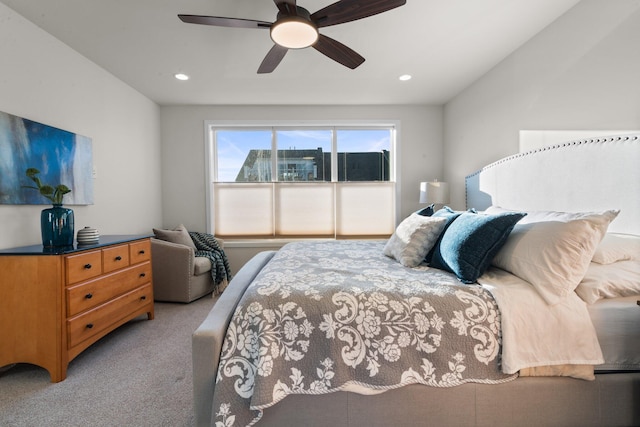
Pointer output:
553, 255
539, 216
414, 238
619, 279
617, 247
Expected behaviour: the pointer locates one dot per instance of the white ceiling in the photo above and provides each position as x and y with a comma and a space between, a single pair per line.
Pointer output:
444, 44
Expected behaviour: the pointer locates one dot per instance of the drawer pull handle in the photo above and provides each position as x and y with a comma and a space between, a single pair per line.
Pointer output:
89, 325
89, 296
143, 297
118, 258
143, 274
87, 266
141, 252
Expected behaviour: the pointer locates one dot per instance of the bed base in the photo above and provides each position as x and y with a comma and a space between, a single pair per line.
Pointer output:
542, 401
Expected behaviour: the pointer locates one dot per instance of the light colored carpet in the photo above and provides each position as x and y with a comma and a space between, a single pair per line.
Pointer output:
138, 375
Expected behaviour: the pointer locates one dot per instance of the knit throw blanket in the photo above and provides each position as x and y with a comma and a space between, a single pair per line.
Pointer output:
207, 246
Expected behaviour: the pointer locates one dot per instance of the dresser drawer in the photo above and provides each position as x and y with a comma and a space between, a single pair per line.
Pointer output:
83, 266
86, 325
140, 251
115, 258
90, 294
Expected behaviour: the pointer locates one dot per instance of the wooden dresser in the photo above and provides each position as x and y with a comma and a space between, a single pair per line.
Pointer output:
56, 303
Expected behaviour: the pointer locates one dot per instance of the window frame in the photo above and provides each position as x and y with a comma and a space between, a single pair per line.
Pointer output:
211, 166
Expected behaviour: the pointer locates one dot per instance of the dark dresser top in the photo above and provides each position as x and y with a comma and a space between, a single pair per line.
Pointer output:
63, 250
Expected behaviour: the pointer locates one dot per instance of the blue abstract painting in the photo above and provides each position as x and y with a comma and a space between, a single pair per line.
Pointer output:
62, 157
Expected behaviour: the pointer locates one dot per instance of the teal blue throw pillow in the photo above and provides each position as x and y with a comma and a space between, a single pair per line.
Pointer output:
470, 242
450, 215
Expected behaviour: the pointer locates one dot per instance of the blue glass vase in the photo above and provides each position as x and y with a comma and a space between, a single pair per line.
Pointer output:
56, 224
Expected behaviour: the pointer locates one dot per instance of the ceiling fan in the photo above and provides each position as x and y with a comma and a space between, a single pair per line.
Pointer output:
296, 28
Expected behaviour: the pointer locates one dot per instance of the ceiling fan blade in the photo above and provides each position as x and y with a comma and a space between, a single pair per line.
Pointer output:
287, 7
338, 52
273, 58
351, 10
224, 22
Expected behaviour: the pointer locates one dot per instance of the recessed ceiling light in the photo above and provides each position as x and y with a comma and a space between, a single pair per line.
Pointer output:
181, 76
405, 77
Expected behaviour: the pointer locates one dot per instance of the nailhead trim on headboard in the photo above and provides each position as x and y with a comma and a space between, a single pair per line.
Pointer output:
561, 145
598, 140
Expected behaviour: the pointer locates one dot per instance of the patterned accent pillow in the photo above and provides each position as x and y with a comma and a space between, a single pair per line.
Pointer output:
471, 241
413, 238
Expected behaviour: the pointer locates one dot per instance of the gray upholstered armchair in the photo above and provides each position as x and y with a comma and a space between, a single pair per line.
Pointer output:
179, 275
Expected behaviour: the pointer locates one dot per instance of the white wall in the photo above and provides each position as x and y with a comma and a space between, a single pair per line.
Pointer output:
183, 149
44, 80
581, 72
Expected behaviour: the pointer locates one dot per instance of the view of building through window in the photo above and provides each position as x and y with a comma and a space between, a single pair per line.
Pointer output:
303, 155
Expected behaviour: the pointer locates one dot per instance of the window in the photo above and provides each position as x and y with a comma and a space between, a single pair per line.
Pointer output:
301, 181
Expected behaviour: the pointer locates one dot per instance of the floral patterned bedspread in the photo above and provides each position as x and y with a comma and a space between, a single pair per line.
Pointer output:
323, 316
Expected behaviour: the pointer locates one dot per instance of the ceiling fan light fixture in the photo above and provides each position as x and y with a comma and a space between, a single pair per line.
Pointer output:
296, 28
294, 32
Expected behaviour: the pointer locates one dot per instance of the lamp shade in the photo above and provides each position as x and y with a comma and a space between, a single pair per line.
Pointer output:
434, 192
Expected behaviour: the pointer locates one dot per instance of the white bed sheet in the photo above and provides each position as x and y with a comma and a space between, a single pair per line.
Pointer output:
617, 324
560, 334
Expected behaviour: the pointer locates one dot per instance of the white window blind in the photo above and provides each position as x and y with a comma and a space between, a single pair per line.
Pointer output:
243, 209
365, 208
304, 209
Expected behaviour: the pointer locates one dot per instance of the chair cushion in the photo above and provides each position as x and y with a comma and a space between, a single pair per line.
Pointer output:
201, 265
178, 235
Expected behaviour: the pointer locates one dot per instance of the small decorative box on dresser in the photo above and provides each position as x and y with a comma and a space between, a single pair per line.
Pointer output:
56, 303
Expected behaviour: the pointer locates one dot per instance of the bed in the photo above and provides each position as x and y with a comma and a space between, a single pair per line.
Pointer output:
395, 343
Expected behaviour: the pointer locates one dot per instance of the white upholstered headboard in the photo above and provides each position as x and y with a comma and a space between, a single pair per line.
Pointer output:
577, 176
